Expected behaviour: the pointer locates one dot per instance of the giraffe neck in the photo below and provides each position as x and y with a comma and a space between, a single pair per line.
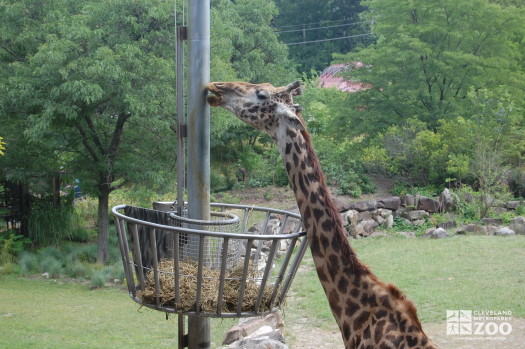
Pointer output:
335, 261
366, 309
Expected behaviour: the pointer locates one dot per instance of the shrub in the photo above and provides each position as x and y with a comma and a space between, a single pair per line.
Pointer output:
76, 270
97, 279
28, 263
51, 265
11, 245
50, 225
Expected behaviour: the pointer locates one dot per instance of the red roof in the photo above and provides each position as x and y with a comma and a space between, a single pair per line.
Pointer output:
331, 77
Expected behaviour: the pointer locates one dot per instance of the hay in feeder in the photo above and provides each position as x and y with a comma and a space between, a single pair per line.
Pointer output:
209, 288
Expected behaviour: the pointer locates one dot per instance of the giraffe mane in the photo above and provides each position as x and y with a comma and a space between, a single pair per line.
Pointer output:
347, 252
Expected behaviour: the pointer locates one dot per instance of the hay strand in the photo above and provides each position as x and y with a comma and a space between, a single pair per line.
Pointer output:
209, 289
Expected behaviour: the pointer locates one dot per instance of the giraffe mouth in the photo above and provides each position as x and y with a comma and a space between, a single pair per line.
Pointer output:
214, 99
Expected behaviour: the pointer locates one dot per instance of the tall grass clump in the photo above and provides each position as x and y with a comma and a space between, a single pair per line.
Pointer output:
49, 224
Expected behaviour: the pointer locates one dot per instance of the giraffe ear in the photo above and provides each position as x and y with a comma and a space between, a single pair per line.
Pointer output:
293, 120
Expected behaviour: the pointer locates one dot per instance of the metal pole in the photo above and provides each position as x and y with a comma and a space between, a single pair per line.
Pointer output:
199, 140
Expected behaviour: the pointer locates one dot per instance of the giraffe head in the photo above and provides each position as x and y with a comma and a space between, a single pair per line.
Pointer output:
263, 106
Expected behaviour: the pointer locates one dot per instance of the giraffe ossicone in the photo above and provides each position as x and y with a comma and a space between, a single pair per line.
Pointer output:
369, 313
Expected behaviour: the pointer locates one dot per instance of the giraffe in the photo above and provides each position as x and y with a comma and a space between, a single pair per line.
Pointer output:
369, 313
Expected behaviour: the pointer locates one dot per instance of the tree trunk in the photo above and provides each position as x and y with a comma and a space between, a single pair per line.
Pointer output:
103, 226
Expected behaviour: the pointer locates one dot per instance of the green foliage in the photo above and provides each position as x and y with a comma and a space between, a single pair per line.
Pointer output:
11, 245
320, 20
2, 146
430, 54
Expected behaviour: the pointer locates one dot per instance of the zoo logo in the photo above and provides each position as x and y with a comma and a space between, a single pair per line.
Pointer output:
478, 323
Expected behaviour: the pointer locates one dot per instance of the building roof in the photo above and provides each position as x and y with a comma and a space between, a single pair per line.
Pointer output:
332, 77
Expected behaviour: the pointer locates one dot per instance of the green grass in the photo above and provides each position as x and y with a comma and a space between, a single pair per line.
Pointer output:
43, 314
473, 272
476, 272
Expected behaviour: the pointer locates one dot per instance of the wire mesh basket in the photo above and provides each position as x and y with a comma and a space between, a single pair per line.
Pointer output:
223, 267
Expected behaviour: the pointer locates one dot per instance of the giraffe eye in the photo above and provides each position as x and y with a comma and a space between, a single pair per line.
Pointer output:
261, 95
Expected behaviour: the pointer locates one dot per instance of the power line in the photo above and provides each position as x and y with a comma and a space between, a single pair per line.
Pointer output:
303, 24
321, 40
316, 28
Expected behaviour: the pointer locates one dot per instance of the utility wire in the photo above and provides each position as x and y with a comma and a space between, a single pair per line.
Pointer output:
331, 39
303, 24
316, 28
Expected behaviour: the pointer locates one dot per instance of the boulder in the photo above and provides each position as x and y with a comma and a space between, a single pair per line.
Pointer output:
259, 343
350, 217
518, 225
472, 229
504, 231
391, 203
362, 206
408, 200
446, 201
438, 233
365, 228
407, 234
492, 221
415, 215
435, 233
428, 204
448, 225
512, 205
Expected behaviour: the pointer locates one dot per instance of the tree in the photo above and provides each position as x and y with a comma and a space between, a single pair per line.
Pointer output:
97, 85
244, 47
430, 54
324, 21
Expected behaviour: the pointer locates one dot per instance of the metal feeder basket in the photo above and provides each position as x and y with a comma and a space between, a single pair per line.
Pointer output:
215, 268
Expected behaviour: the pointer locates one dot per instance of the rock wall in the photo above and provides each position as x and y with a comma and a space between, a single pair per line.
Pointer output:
363, 218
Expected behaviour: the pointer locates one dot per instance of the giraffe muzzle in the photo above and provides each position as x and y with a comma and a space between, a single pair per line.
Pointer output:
214, 99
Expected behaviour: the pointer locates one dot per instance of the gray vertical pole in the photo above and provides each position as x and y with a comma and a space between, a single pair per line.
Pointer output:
181, 150
198, 140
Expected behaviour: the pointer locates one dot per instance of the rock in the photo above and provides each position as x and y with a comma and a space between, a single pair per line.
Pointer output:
232, 335
504, 231
448, 225
498, 209
438, 233
362, 206
428, 204
366, 216
407, 234
46, 275
491, 229
446, 201
518, 225
428, 232
408, 200
350, 217
472, 229
419, 222
414, 215
512, 205
365, 228
389, 222
391, 203
383, 212
259, 343
492, 221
